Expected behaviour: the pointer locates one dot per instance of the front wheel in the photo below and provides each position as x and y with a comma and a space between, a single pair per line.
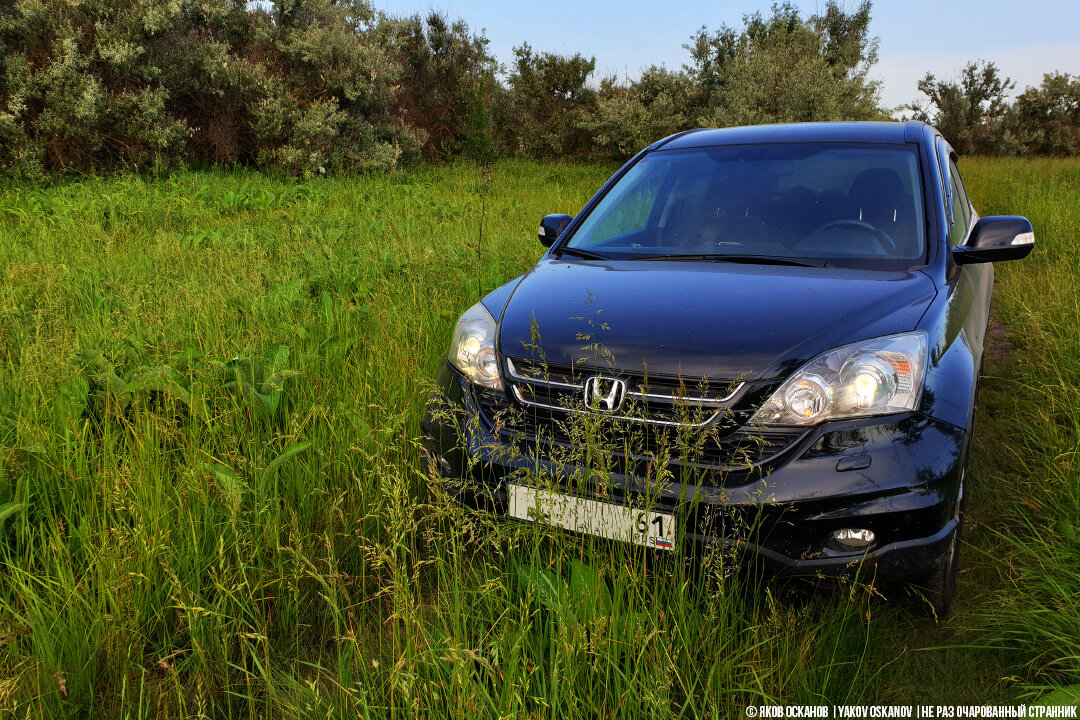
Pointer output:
938, 586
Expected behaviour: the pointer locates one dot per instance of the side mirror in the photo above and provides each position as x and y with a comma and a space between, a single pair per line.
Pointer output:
551, 228
999, 237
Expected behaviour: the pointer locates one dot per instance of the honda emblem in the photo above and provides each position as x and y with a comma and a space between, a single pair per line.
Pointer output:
605, 393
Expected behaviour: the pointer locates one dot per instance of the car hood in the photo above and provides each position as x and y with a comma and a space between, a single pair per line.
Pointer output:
702, 319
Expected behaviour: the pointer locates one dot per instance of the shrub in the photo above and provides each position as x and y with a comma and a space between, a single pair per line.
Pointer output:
1048, 117
973, 114
447, 79
782, 68
76, 88
302, 84
544, 111
628, 119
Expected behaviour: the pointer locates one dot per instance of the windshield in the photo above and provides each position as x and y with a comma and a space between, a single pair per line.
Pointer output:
846, 203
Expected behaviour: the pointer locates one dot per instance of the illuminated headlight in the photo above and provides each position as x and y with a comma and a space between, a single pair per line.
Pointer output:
873, 377
473, 348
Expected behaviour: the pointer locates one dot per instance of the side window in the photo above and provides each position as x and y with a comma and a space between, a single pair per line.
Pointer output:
631, 211
961, 210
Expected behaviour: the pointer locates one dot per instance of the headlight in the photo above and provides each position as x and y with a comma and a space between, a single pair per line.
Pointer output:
873, 377
473, 349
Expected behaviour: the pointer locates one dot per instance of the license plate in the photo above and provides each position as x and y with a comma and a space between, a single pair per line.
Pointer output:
616, 522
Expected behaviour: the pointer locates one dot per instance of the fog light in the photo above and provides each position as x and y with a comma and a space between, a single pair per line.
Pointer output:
852, 539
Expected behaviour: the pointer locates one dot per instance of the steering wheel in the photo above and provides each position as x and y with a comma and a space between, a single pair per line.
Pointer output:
877, 232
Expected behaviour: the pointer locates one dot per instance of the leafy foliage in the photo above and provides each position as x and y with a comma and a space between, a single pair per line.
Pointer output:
543, 111
783, 68
300, 84
447, 80
970, 113
316, 86
627, 119
776, 68
977, 116
1048, 117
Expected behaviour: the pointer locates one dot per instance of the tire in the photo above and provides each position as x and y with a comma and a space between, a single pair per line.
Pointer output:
938, 586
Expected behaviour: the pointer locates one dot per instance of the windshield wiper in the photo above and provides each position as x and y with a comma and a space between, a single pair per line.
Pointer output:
747, 259
578, 252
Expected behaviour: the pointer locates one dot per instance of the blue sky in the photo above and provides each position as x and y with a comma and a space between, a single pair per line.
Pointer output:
1025, 38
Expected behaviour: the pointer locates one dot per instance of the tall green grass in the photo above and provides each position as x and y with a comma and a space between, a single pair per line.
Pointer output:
213, 498
213, 502
1035, 431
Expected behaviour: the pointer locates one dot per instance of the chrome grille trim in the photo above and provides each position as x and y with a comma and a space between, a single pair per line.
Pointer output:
537, 381
513, 372
724, 454
577, 411
687, 398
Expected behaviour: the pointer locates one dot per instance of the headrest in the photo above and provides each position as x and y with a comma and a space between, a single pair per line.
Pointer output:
880, 186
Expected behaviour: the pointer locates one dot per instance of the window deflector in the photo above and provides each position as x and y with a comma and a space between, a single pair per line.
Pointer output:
946, 184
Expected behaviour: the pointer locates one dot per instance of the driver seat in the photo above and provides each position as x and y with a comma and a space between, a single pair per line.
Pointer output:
877, 197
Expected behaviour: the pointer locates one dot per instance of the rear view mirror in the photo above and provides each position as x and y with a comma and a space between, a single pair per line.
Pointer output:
999, 237
551, 228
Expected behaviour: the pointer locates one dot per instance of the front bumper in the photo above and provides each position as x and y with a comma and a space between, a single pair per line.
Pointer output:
899, 476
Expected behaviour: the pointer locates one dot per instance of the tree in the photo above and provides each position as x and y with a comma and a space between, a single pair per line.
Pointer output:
972, 114
300, 84
627, 119
783, 68
446, 86
1048, 117
547, 102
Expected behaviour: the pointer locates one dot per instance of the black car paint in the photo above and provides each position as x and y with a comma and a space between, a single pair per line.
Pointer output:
899, 475
680, 317
551, 227
908, 493
993, 239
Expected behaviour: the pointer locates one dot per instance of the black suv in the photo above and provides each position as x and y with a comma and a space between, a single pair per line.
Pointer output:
774, 334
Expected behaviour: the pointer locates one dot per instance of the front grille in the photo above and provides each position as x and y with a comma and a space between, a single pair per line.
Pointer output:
696, 424
650, 399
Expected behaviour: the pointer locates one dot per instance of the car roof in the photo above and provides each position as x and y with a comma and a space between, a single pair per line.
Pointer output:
858, 132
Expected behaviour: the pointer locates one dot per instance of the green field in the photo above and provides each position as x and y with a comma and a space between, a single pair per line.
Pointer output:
212, 500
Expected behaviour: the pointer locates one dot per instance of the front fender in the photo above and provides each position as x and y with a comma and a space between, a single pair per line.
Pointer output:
955, 353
